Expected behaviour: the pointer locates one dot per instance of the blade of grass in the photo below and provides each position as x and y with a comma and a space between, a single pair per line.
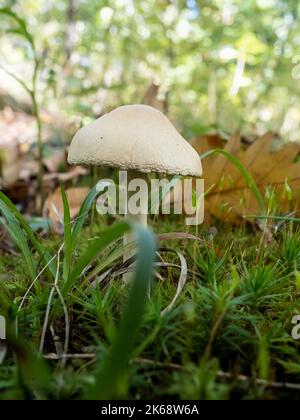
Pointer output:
18, 237
165, 191
67, 235
44, 255
91, 254
32, 373
22, 27
244, 172
110, 260
110, 376
93, 251
83, 213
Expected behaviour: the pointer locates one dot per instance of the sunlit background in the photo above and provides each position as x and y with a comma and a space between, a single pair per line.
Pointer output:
219, 65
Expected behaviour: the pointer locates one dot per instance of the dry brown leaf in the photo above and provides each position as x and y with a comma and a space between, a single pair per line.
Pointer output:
152, 98
20, 170
206, 143
228, 196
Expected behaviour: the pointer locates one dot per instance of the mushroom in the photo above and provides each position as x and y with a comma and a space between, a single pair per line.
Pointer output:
138, 139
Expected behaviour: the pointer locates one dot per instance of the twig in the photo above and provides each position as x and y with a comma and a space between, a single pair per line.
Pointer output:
220, 374
65, 356
263, 382
174, 366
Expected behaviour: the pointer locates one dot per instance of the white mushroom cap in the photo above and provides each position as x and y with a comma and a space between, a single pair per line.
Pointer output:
136, 137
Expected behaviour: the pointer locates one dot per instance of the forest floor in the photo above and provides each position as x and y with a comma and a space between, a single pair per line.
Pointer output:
228, 336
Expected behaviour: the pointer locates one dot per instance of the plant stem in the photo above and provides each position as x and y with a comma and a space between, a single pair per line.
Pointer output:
36, 112
40, 146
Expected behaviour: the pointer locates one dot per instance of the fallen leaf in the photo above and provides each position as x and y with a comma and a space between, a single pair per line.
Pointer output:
228, 196
153, 98
20, 170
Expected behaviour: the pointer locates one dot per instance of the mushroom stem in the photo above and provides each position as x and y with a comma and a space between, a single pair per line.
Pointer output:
140, 218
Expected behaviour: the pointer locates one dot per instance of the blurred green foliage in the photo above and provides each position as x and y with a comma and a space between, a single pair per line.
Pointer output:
224, 64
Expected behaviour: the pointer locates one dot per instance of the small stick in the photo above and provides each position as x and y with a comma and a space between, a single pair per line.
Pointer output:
220, 374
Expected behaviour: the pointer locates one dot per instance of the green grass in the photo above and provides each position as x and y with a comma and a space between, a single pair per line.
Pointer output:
227, 335
56, 281
233, 318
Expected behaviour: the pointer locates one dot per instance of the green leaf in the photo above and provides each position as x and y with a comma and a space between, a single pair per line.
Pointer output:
22, 26
93, 251
110, 376
83, 213
18, 237
30, 234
